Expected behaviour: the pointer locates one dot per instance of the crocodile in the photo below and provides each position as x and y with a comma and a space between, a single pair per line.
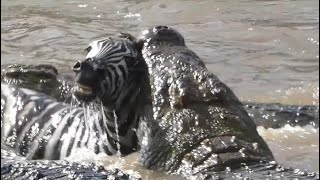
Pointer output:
42, 77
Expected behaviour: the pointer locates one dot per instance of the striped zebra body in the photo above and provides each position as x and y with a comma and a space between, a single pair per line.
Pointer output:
36, 126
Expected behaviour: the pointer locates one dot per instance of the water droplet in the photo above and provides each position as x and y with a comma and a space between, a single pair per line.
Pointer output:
196, 123
255, 145
188, 157
233, 138
83, 5
206, 142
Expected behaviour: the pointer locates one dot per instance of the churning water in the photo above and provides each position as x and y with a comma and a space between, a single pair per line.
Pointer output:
265, 50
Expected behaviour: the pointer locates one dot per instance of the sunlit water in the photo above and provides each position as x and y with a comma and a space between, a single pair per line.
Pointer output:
266, 51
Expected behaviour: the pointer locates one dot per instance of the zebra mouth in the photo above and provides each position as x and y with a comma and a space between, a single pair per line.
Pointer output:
83, 89
84, 92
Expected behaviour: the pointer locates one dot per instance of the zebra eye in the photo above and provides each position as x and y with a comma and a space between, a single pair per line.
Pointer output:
130, 61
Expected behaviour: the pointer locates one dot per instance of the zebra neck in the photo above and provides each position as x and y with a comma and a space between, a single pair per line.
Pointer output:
121, 130
125, 110
110, 119
121, 121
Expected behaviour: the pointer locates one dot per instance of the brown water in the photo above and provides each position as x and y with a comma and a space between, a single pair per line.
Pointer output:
266, 51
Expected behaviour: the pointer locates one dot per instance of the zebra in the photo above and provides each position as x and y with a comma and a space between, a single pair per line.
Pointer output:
37, 126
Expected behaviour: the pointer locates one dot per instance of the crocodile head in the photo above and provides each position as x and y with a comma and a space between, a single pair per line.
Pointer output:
162, 34
42, 77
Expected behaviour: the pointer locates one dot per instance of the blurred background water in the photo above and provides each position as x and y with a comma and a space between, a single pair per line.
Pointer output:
265, 50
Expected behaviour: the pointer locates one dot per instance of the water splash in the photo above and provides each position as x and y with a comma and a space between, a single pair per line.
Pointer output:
117, 133
121, 160
85, 115
72, 105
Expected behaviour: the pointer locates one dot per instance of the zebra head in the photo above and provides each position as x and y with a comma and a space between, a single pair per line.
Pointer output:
109, 72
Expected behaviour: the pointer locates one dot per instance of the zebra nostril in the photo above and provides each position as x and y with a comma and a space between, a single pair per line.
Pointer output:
85, 73
77, 66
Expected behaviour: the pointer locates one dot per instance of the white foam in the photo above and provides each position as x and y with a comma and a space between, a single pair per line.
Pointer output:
296, 147
289, 130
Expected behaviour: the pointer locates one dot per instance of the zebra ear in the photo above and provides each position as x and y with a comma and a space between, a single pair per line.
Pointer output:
133, 39
127, 36
88, 49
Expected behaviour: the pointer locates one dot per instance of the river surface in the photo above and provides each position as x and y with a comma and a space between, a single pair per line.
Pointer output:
265, 50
